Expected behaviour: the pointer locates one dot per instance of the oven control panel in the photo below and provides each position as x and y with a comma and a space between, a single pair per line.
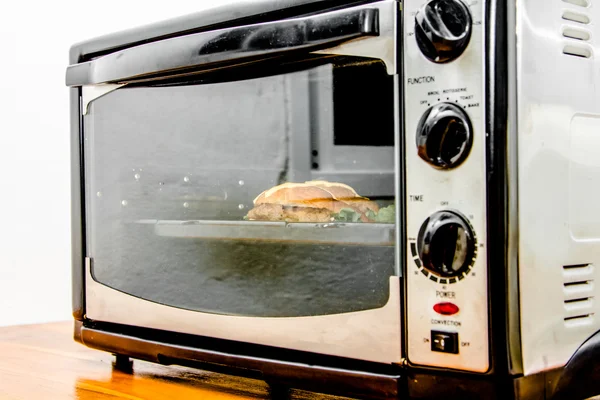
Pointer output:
446, 266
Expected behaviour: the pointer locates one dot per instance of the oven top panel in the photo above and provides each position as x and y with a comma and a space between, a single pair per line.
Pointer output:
228, 13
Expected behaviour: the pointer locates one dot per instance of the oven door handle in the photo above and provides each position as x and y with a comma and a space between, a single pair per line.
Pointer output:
237, 45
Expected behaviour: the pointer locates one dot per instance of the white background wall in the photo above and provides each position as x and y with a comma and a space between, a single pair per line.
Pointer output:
35, 37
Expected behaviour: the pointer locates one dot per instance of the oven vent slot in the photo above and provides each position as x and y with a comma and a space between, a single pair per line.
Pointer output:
576, 267
581, 3
579, 321
578, 304
577, 51
578, 291
576, 17
577, 272
577, 34
572, 289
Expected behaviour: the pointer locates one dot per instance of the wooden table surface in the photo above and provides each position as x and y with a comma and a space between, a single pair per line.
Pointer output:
43, 362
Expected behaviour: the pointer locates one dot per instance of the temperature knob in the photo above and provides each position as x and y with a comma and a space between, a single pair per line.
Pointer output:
444, 136
446, 244
443, 29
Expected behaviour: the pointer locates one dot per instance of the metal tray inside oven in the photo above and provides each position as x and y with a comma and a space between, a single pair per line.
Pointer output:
342, 233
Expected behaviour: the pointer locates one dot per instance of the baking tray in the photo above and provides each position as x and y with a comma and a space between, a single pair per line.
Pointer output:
341, 233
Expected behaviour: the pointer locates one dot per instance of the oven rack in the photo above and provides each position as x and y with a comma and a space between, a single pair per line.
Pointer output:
336, 233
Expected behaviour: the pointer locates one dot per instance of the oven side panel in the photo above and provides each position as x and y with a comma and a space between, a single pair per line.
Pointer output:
559, 178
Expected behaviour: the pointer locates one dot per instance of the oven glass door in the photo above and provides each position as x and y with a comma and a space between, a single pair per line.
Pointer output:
174, 174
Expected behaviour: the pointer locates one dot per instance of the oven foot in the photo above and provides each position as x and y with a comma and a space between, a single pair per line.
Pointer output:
122, 363
278, 391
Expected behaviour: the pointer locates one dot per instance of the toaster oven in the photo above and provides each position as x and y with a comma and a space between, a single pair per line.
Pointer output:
370, 198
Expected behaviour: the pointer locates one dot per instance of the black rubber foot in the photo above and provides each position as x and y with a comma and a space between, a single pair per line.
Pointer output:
278, 391
123, 363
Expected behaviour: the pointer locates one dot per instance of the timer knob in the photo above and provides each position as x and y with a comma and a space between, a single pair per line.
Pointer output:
443, 29
444, 136
446, 244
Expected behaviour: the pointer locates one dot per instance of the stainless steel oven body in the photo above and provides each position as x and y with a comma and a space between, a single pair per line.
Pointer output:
470, 128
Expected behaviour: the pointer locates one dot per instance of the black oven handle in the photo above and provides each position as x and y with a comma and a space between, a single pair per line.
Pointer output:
218, 48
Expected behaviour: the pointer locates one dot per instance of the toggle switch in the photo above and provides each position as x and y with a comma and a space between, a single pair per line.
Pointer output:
444, 342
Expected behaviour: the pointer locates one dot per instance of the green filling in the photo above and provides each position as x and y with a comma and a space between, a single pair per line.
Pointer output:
346, 215
385, 215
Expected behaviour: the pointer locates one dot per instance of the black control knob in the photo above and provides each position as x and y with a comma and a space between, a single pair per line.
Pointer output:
443, 29
444, 136
446, 244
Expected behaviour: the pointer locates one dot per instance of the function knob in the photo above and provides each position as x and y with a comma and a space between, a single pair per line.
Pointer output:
444, 136
443, 29
446, 244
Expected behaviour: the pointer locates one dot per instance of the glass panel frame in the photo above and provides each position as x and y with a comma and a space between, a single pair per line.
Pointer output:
297, 92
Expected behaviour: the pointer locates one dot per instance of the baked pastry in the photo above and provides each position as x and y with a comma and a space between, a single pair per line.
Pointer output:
313, 201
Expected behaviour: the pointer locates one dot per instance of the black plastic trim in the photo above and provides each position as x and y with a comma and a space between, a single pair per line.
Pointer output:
581, 376
538, 386
435, 385
313, 372
497, 84
241, 348
402, 247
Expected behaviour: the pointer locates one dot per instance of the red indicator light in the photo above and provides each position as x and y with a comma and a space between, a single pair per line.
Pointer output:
445, 308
